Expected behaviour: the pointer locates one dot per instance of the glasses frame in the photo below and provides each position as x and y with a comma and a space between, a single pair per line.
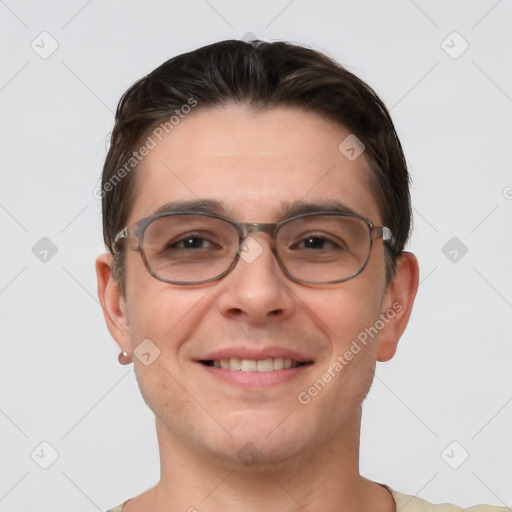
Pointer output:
245, 229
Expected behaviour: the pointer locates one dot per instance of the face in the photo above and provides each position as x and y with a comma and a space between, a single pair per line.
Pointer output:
254, 165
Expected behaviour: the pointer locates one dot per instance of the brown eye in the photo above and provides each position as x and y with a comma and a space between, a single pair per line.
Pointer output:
191, 242
317, 243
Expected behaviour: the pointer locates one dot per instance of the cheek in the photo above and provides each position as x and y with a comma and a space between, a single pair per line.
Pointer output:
161, 389
342, 381
347, 309
155, 308
165, 315
348, 317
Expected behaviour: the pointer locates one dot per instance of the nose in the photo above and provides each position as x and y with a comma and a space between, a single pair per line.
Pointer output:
256, 290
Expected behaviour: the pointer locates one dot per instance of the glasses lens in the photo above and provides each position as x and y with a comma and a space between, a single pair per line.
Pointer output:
315, 248
324, 248
189, 248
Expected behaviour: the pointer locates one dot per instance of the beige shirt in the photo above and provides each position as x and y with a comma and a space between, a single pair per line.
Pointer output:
406, 503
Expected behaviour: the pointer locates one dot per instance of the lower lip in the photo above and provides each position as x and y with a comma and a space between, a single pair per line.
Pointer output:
250, 380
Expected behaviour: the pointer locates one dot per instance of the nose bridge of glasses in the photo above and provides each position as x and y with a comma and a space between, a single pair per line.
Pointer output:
254, 227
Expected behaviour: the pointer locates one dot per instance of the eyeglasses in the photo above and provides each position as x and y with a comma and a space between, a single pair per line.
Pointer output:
188, 247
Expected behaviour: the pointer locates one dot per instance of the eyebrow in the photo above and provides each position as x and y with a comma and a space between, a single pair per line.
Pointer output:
287, 210
195, 205
299, 207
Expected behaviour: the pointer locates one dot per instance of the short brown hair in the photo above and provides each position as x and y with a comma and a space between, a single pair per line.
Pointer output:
262, 76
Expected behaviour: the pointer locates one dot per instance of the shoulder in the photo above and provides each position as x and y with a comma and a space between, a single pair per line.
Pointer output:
407, 503
119, 508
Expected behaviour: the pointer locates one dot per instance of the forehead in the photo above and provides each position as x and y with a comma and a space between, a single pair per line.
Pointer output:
255, 164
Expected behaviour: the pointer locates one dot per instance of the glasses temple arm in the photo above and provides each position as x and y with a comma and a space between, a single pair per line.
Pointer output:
122, 234
385, 233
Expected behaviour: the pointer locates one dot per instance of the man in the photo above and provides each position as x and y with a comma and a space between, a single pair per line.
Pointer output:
256, 208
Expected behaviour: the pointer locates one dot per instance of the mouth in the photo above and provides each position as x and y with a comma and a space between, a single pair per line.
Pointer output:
249, 368
254, 365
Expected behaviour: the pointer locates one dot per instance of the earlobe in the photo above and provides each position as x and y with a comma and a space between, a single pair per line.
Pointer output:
112, 303
397, 305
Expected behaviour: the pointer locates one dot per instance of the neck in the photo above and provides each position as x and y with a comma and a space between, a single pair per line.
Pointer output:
322, 477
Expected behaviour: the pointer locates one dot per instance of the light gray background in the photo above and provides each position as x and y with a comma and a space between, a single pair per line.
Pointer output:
59, 377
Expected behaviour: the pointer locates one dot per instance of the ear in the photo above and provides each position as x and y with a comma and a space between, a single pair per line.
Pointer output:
112, 303
397, 305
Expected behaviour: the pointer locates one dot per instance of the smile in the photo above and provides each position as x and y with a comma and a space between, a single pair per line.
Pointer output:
254, 365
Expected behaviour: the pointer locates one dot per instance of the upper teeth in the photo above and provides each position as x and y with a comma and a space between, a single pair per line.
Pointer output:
251, 365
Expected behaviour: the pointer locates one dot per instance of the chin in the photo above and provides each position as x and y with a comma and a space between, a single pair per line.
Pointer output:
246, 455
260, 445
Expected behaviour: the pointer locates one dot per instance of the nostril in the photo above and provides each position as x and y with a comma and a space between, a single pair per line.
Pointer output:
236, 312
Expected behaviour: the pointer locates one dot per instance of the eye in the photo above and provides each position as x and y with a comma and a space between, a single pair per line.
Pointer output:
315, 243
191, 241
319, 242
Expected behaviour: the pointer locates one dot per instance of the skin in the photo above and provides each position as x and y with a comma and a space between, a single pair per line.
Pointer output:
306, 455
